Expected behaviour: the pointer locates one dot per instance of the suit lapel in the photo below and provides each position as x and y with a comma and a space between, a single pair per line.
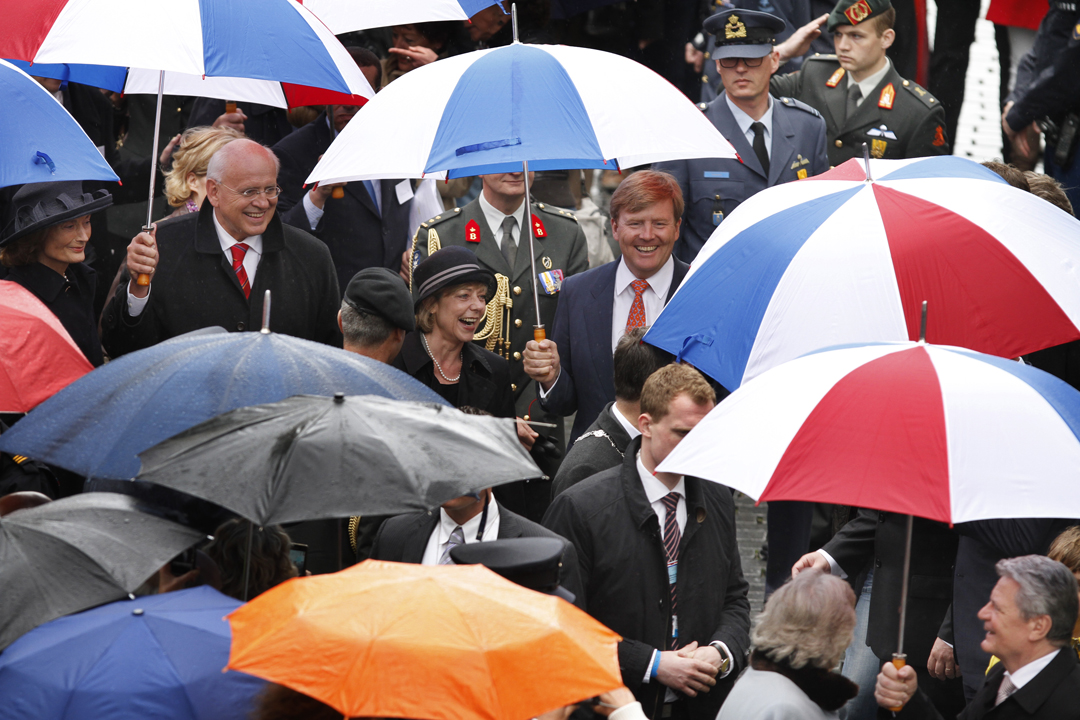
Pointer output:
598, 318
677, 277
783, 143
416, 539
835, 101
509, 524
725, 123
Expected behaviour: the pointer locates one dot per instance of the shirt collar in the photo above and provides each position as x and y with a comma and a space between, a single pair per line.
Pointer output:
660, 282
632, 431
654, 489
744, 121
471, 526
495, 217
868, 84
1026, 674
226, 240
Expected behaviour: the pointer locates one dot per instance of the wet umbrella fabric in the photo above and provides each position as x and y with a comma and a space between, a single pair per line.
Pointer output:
158, 656
310, 458
37, 356
98, 425
343, 16
485, 648
42, 142
76, 553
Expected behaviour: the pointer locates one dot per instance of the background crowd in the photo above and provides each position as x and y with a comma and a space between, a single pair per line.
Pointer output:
428, 287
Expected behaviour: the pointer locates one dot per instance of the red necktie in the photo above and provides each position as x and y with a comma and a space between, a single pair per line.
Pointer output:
238, 251
636, 318
672, 537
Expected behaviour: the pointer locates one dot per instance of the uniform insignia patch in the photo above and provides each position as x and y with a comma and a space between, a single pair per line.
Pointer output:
551, 281
735, 28
538, 228
888, 96
919, 91
472, 232
939, 137
836, 78
1076, 32
801, 174
858, 12
799, 160
877, 148
882, 131
546, 262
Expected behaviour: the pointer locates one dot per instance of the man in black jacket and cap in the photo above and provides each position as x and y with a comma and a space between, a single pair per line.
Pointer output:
659, 560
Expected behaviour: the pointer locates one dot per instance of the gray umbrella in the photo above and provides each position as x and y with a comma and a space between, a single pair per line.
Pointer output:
311, 458
78, 552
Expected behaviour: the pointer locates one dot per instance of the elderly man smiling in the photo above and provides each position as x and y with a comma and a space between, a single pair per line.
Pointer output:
212, 267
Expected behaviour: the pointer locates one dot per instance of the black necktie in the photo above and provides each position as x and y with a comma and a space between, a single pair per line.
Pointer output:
853, 95
759, 146
509, 247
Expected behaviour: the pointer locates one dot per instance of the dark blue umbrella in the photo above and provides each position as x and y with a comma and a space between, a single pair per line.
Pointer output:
152, 657
98, 425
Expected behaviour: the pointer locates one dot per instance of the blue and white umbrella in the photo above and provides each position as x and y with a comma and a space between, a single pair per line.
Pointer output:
553, 106
39, 140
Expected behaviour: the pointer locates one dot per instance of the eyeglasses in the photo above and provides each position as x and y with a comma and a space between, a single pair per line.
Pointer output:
251, 193
730, 62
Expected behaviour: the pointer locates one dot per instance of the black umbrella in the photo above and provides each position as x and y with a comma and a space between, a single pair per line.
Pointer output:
78, 552
312, 457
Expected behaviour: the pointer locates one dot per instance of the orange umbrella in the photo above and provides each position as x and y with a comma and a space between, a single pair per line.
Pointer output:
385, 639
37, 356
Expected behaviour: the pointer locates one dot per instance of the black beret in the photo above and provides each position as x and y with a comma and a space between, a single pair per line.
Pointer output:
532, 562
382, 292
743, 33
452, 265
853, 12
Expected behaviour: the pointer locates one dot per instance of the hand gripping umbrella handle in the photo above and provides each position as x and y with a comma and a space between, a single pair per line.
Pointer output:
143, 280
899, 660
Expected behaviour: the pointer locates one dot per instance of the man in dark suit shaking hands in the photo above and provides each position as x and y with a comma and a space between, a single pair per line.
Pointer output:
574, 367
1029, 622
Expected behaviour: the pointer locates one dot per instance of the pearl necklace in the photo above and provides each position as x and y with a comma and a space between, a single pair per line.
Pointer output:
423, 339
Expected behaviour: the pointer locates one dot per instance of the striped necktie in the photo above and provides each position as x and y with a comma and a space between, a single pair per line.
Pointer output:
239, 250
672, 537
456, 538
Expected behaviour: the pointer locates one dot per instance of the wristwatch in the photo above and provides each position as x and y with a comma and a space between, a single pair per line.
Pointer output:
725, 661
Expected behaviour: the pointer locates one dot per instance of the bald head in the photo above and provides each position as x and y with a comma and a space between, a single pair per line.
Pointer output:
242, 166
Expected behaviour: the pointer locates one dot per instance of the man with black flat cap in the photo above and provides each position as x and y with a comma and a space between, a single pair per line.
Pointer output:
858, 91
375, 314
777, 141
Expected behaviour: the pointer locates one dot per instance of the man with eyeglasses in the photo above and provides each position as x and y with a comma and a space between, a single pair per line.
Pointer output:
777, 141
212, 268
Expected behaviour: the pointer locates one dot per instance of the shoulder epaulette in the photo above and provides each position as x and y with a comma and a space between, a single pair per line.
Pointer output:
800, 105
441, 217
923, 94
557, 211
820, 57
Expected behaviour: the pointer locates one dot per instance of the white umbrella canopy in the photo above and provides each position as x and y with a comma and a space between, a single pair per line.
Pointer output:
344, 16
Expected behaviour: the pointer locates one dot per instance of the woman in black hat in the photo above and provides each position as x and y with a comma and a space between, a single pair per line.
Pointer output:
44, 246
450, 292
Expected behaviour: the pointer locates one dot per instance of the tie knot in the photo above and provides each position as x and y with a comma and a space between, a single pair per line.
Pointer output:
639, 286
671, 501
239, 250
757, 127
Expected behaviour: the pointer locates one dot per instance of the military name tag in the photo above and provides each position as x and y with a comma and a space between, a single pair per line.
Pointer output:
551, 281
717, 175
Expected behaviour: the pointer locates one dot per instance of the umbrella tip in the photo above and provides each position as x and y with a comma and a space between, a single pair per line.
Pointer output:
866, 160
513, 21
922, 325
137, 611
339, 397
266, 314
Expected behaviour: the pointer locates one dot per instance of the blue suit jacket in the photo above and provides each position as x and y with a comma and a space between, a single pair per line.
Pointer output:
798, 144
582, 332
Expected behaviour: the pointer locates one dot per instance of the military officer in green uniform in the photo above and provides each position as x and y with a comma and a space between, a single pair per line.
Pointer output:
859, 93
491, 226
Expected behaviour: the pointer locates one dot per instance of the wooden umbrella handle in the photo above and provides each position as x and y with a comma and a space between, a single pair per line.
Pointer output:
539, 334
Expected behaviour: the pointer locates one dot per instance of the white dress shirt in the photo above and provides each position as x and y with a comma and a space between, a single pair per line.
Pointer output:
628, 426
1027, 673
654, 297
744, 122
867, 85
440, 536
251, 262
495, 218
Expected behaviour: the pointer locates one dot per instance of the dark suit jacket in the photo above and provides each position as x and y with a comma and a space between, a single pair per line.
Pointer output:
602, 446
485, 377
798, 150
624, 573
195, 287
914, 125
404, 538
582, 332
1053, 694
358, 235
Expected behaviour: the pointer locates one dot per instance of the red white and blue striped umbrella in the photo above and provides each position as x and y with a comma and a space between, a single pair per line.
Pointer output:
344, 16
838, 259
930, 430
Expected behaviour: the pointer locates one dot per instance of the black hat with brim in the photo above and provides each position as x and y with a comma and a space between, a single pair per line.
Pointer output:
41, 205
532, 562
452, 265
744, 33
380, 291
854, 12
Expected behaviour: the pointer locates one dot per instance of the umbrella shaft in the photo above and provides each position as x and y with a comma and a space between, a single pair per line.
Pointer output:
904, 584
154, 150
532, 252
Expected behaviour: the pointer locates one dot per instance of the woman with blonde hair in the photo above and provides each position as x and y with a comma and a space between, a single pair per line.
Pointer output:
185, 182
799, 639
